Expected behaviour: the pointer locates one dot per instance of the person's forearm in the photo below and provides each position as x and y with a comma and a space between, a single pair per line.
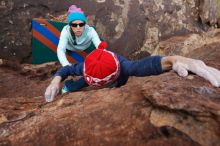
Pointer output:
182, 65
95, 37
56, 79
62, 45
62, 57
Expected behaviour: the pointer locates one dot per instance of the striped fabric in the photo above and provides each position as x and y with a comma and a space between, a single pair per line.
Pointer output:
45, 39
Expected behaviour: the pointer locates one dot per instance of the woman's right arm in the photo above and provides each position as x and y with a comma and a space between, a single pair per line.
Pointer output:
61, 49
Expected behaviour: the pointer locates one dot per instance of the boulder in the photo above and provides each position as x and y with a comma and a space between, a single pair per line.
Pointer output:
157, 110
131, 27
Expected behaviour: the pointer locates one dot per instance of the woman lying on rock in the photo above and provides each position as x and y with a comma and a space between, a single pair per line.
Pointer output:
103, 68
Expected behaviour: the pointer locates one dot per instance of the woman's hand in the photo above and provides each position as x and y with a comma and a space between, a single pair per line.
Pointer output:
182, 65
53, 89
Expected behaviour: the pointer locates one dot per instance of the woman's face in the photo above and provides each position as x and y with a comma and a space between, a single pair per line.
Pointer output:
78, 27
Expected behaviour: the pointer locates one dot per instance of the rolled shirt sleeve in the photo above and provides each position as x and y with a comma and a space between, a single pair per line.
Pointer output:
70, 70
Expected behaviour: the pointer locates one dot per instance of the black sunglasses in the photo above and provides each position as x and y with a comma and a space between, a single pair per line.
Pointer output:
77, 24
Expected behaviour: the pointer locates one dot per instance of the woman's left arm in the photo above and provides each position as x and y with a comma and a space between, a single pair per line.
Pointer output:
95, 37
182, 65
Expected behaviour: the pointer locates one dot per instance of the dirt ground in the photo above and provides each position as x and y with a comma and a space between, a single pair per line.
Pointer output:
29, 81
13, 84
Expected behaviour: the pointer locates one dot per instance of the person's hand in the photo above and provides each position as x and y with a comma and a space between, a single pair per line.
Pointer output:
182, 65
53, 89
